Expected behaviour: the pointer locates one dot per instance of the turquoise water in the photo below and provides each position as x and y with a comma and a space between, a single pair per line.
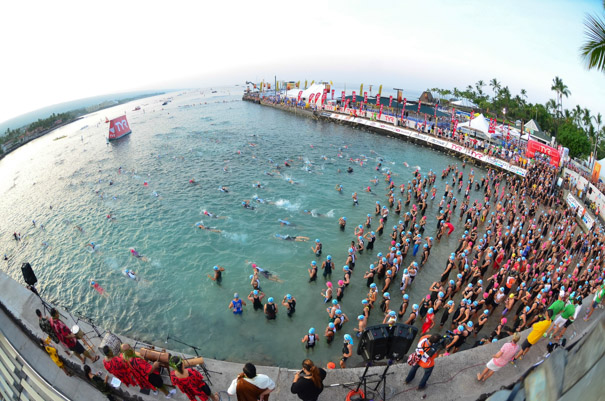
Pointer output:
217, 140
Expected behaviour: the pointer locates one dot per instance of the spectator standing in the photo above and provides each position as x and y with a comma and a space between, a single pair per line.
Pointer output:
46, 327
308, 383
425, 350
249, 386
500, 359
118, 367
68, 338
189, 381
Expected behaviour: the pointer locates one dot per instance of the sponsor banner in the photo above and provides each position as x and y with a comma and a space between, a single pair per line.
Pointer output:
580, 211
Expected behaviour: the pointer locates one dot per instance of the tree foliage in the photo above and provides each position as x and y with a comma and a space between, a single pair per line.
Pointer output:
571, 137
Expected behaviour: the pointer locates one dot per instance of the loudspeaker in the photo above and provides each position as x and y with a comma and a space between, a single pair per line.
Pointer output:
401, 340
28, 274
374, 343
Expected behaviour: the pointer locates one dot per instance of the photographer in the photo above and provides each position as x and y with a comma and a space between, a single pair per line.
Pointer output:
308, 383
426, 350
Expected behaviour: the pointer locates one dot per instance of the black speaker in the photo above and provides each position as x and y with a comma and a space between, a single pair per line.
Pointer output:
374, 343
28, 274
401, 340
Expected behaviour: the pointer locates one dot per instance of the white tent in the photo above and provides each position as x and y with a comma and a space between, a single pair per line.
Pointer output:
479, 124
463, 103
312, 90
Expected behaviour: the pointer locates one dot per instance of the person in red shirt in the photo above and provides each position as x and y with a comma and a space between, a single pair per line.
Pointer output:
427, 351
189, 381
68, 338
117, 367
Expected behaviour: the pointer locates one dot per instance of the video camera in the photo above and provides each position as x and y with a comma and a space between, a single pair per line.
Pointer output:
446, 338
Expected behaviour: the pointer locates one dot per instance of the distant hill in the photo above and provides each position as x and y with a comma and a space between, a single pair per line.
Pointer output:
30, 117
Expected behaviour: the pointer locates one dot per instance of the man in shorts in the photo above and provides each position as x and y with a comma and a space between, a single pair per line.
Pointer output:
538, 330
598, 297
567, 317
68, 338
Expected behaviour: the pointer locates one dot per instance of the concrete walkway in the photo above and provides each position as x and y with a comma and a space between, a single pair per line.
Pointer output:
454, 376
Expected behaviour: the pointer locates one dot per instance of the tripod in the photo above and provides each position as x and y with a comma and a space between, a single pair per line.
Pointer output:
195, 349
363, 381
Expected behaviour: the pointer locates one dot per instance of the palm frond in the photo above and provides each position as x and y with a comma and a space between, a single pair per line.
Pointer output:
593, 50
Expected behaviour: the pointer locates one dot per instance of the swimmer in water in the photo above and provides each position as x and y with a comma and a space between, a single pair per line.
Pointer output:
92, 246
246, 205
223, 189
267, 274
284, 222
213, 215
218, 274
98, 288
131, 275
292, 238
339, 188
137, 255
201, 226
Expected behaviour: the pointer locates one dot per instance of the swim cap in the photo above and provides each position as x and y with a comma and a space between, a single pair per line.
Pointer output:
331, 325
92, 282
311, 330
338, 312
270, 300
461, 328
329, 257
345, 268
470, 324
254, 265
255, 292
243, 203
504, 320
389, 272
340, 282
344, 218
364, 302
236, 295
334, 302
450, 302
406, 296
360, 226
251, 276
527, 308
415, 307
329, 284
386, 295
360, 317
373, 285
317, 240
348, 339
373, 233
470, 285
314, 263
392, 313
288, 296
486, 312
215, 267
452, 282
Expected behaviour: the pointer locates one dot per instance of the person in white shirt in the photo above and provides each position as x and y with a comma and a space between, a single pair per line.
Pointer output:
249, 386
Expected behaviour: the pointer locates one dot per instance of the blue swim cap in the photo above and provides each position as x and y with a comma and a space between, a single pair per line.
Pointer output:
314, 263
329, 257
373, 233
406, 296
311, 330
392, 313
384, 259
368, 215
452, 282
270, 300
345, 268
386, 295
486, 312
334, 302
236, 295
348, 339
441, 294
338, 312
215, 268
470, 324
373, 285
255, 292
415, 307
344, 218
430, 310
450, 302
360, 317
317, 240
251, 276
288, 296
461, 328
243, 203
350, 250
92, 282
331, 325
364, 302
379, 254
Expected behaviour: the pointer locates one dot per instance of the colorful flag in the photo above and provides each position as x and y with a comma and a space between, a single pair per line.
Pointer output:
299, 95
419, 104
360, 89
455, 126
379, 90
353, 97
378, 98
333, 94
399, 96
305, 84
298, 85
403, 109
391, 101
365, 97
380, 114
343, 97
472, 114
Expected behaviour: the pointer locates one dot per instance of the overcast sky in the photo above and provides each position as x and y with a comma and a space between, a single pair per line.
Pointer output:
65, 50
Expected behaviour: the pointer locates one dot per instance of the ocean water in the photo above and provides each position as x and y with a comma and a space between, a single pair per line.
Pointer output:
216, 140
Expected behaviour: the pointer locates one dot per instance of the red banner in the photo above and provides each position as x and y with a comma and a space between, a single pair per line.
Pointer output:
346, 103
535, 146
323, 98
453, 114
299, 95
380, 114
419, 104
391, 101
399, 96
455, 127
118, 127
342, 99
333, 94
365, 97
378, 99
403, 109
472, 114
492, 126
353, 98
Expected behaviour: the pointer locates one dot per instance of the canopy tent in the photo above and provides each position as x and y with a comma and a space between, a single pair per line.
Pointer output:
463, 103
480, 125
312, 90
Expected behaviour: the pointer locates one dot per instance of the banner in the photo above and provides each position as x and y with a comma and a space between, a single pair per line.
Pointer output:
455, 127
535, 146
317, 96
299, 95
391, 101
453, 114
323, 98
596, 172
492, 126
360, 89
472, 114
399, 96
353, 98
419, 104
379, 90
342, 99
365, 97
380, 114
288, 86
333, 94
403, 109
378, 99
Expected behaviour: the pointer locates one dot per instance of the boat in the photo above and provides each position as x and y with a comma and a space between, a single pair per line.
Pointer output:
118, 127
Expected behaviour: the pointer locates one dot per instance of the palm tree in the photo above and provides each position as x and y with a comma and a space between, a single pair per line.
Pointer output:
562, 90
479, 85
598, 120
577, 115
592, 51
495, 86
551, 106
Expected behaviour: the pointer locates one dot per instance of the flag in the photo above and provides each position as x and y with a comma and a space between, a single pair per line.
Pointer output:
361, 89
380, 114
453, 114
403, 109
391, 101
365, 97
277, 85
288, 86
342, 100
379, 90
333, 94
472, 114
268, 85
346, 104
455, 127
399, 96
323, 99
305, 84
298, 85
299, 95
312, 82
331, 84
419, 104
507, 132
378, 98
353, 97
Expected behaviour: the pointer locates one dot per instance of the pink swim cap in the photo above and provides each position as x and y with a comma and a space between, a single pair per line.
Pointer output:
504, 320
131, 250
340, 282
329, 284
254, 265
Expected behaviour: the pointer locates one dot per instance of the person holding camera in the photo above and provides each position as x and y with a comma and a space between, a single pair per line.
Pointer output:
308, 383
426, 352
